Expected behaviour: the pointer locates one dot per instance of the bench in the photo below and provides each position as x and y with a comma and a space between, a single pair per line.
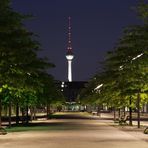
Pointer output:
123, 119
3, 131
146, 130
94, 113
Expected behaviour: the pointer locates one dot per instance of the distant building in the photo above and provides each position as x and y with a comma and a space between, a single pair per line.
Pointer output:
72, 89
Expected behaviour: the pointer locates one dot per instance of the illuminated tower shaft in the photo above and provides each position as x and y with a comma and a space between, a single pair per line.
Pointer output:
69, 54
70, 70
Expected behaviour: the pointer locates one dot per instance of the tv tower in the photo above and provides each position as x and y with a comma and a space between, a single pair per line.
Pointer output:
69, 54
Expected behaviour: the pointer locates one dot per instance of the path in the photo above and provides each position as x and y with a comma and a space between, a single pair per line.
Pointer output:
74, 133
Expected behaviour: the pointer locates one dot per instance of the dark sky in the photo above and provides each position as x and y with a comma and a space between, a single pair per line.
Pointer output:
96, 27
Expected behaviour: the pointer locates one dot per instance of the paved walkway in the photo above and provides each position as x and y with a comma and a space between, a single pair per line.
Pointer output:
75, 133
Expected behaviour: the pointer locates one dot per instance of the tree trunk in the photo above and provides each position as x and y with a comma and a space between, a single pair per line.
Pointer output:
138, 110
48, 111
114, 114
27, 116
31, 113
124, 112
34, 113
130, 112
0, 112
5, 110
23, 115
98, 110
9, 113
119, 113
17, 114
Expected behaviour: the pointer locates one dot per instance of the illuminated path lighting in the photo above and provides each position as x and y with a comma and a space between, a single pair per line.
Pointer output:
99, 86
138, 56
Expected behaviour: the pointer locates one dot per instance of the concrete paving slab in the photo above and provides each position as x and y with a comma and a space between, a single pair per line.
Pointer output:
76, 133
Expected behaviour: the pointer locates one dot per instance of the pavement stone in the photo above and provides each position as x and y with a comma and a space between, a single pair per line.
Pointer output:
77, 133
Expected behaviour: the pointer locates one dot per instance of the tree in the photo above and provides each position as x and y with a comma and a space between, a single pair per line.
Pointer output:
125, 69
50, 94
19, 63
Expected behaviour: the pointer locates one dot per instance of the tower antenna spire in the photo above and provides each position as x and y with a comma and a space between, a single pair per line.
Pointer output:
69, 48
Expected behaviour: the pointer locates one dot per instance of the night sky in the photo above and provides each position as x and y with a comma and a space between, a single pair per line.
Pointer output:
96, 27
